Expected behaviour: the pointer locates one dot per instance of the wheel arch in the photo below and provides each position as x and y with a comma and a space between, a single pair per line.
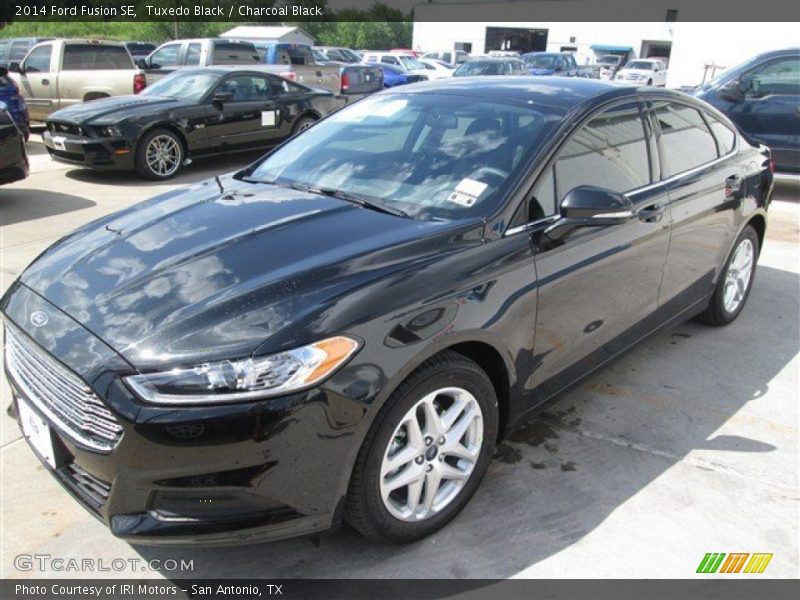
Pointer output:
759, 223
89, 96
169, 126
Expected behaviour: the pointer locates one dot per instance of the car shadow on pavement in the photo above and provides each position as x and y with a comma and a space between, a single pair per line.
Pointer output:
666, 404
199, 170
20, 205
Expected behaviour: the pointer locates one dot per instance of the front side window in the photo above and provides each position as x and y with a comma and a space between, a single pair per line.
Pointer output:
246, 88
95, 57
776, 77
685, 140
608, 152
38, 60
166, 56
433, 157
186, 86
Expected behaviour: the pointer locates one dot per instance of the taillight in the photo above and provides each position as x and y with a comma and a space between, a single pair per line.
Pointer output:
139, 83
290, 75
345, 82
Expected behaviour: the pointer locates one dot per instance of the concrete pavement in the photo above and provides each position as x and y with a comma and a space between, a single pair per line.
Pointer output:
687, 445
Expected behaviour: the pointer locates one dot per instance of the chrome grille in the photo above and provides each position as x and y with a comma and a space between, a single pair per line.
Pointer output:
60, 394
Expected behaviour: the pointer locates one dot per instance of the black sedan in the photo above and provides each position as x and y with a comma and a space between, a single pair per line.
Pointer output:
13, 159
344, 329
189, 114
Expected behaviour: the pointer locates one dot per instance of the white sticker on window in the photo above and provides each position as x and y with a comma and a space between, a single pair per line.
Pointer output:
467, 192
269, 118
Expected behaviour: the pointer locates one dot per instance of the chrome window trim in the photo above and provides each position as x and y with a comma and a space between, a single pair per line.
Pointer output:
649, 186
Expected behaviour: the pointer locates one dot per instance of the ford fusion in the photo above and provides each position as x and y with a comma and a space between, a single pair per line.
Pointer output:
189, 114
344, 329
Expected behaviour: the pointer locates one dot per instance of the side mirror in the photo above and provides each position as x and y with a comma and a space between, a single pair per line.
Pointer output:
142, 63
222, 97
15, 67
590, 206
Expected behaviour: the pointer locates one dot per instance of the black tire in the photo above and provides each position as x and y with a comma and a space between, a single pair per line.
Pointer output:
142, 166
365, 510
716, 314
302, 124
649, 82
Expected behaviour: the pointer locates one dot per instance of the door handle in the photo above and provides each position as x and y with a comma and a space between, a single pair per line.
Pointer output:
319, 73
45, 82
653, 213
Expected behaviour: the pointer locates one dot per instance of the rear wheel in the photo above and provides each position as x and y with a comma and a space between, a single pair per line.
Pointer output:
302, 124
426, 452
735, 282
159, 154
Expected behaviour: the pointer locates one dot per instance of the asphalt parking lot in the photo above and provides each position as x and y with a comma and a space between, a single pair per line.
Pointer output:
687, 445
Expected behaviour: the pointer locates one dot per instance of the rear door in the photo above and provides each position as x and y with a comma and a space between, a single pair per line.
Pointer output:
770, 110
704, 217
38, 81
601, 283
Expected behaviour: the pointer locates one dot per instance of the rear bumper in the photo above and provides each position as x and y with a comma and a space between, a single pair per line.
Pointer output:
100, 153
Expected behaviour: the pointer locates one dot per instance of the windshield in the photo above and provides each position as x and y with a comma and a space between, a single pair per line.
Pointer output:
640, 64
411, 63
476, 67
609, 59
541, 61
186, 86
430, 156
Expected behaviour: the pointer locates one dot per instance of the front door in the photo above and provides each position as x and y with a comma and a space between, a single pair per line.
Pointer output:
598, 286
38, 82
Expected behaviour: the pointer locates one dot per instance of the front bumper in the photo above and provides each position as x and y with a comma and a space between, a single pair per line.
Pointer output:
94, 152
233, 474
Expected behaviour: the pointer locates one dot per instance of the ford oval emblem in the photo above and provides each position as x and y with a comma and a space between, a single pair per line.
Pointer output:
39, 318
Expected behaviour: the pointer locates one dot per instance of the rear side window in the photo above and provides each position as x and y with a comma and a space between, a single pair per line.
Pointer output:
685, 139
38, 60
227, 53
725, 136
608, 152
193, 54
79, 57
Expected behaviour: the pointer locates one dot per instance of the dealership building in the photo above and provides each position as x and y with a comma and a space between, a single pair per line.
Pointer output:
696, 50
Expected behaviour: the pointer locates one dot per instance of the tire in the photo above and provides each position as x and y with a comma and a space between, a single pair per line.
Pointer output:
442, 381
649, 82
302, 124
732, 290
151, 168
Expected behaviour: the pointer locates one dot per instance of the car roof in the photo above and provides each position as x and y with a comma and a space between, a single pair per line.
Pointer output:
494, 59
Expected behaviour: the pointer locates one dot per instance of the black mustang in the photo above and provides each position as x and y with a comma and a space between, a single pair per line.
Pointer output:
345, 328
189, 114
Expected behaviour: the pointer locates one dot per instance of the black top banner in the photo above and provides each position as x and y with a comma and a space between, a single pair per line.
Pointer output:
275, 11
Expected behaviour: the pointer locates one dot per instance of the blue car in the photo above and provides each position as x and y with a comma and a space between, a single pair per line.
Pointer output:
15, 104
762, 97
393, 76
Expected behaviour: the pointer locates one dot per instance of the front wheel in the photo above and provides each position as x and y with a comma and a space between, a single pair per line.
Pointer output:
735, 282
159, 155
426, 453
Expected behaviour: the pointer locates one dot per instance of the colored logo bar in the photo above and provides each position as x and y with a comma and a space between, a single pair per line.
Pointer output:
735, 562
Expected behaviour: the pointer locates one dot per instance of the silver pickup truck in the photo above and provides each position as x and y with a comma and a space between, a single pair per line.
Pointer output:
200, 52
58, 73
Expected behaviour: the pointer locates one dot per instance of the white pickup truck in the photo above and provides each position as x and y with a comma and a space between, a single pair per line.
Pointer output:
58, 73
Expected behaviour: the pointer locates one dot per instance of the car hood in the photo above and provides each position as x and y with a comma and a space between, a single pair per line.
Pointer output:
115, 109
218, 269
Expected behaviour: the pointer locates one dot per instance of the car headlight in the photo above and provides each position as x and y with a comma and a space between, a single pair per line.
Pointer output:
246, 379
111, 131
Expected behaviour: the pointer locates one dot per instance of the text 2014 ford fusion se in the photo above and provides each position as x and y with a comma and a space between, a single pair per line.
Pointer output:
342, 331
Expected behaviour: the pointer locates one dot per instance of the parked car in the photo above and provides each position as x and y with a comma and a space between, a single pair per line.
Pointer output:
186, 115
609, 64
562, 64
405, 52
297, 62
643, 72
60, 73
199, 52
394, 76
404, 62
342, 55
13, 159
344, 330
491, 66
503, 53
436, 69
762, 96
14, 103
15, 49
453, 58
139, 50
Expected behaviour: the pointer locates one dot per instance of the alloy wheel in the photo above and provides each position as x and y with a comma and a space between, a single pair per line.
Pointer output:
163, 155
431, 454
737, 277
